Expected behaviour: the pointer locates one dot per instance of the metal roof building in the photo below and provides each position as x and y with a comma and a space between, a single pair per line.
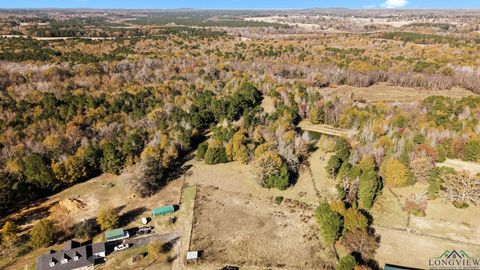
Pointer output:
116, 234
167, 209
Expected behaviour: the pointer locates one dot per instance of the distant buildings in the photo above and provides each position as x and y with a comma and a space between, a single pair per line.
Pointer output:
30, 24
73, 257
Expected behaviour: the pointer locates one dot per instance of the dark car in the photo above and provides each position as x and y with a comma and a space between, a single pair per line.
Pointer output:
229, 267
144, 230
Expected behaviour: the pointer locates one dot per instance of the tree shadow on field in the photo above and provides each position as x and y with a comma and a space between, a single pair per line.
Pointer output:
179, 168
29, 217
130, 216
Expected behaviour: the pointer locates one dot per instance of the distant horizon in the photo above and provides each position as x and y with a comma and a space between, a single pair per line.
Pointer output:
235, 9
240, 4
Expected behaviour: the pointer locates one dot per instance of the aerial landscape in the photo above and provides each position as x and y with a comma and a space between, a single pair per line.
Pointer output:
240, 135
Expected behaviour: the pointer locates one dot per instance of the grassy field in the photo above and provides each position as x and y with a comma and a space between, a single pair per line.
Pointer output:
386, 93
443, 227
324, 129
238, 222
245, 230
236, 177
409, 249
123, 260
461, 165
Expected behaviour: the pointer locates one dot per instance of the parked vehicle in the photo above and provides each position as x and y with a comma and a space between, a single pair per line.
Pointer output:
144, 230
121, 247
229, 267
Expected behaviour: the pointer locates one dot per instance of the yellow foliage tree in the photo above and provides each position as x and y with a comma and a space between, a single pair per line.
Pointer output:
394, 173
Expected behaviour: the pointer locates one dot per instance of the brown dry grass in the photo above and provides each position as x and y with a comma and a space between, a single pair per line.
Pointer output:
105, 191
409, 249
386, 93
461, 165
443, 227
239, 229
236, 177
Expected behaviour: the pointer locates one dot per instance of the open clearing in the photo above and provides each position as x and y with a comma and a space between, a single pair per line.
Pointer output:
383, 92
443, 227
84, 201
408, 249
323, 129
234, 228
236, 177
237, 222
461, 165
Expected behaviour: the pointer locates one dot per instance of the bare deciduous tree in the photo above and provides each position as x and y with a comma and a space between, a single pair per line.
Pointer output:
461, 188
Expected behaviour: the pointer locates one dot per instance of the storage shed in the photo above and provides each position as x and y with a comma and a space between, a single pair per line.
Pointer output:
192, 255
116, 234
159, 211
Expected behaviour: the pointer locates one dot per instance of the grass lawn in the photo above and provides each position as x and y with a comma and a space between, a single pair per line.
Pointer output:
123, 259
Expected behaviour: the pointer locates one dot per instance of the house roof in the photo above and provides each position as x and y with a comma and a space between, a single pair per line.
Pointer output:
84, 254
71, 245
98, 248
115, 233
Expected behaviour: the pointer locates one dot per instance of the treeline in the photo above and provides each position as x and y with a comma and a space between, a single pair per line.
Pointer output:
202, 19
329, 75
19, 50
404, 145
57, 141
421, 38
391, 147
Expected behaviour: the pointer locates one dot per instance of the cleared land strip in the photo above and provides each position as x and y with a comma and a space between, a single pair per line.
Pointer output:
415, 232
324, 129
461, 165
187, 208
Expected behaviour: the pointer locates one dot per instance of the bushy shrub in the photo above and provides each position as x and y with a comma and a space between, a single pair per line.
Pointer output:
346, 263
42, 233
202, 149
333, 165
215, 155
368, 187
472, 150
329, 221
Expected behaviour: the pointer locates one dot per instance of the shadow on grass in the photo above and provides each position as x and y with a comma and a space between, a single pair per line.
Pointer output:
131, 215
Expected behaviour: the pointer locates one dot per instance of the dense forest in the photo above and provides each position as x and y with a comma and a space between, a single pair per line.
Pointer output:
74, 109
69, 114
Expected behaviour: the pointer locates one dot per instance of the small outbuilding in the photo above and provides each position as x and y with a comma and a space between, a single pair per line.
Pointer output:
160, 211
116, 234
192, 255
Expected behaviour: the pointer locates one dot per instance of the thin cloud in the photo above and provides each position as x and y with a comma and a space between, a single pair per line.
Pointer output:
394, 3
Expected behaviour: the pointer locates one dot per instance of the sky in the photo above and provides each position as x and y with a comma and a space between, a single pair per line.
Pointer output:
239, 4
